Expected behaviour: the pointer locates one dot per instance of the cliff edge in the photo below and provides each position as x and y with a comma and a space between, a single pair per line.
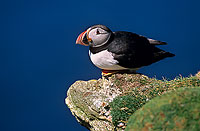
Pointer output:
109, 102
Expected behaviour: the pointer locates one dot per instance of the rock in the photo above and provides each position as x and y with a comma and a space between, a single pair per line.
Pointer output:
108, 103
198, 75
89, 100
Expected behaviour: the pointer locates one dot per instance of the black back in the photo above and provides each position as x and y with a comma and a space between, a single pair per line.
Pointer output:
132, 50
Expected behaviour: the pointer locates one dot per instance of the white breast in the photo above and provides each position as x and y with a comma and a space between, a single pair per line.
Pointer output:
105, 60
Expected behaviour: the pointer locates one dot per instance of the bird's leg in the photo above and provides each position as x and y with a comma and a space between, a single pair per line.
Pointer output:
108, 72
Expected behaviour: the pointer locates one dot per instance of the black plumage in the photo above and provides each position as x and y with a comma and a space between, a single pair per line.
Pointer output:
132, 50
115, 51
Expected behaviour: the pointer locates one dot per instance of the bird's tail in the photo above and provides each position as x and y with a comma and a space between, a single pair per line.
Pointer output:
161, 54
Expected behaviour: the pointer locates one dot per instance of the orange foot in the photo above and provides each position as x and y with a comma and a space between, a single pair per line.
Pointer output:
108, 72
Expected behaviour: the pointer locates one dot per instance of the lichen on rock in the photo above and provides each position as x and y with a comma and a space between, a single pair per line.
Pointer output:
89, 100
108, 103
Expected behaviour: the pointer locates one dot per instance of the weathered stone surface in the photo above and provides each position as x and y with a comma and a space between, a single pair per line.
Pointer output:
91, 101
88, 100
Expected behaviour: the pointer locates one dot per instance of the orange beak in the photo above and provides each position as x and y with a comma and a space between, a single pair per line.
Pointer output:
79, 40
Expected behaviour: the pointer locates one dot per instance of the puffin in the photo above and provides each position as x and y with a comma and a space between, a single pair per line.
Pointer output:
120, 51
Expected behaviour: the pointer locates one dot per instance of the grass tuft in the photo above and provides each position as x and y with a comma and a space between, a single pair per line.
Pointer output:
140, 90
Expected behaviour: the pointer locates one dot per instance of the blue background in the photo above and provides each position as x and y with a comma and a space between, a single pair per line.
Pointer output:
40, 60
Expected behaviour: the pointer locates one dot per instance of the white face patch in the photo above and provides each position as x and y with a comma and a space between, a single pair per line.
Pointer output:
99, 36
105, 60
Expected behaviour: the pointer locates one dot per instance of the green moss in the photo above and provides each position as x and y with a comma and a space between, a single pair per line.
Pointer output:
123, 106
139, 90
176, 110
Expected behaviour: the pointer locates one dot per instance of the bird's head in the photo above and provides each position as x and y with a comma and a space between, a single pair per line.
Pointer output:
94, 36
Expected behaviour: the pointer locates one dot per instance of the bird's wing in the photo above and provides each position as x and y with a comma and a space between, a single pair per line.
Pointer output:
124, 42
130, 49
155, 42
133, 51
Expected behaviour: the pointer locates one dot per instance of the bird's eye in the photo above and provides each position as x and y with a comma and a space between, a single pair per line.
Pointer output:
97, 32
